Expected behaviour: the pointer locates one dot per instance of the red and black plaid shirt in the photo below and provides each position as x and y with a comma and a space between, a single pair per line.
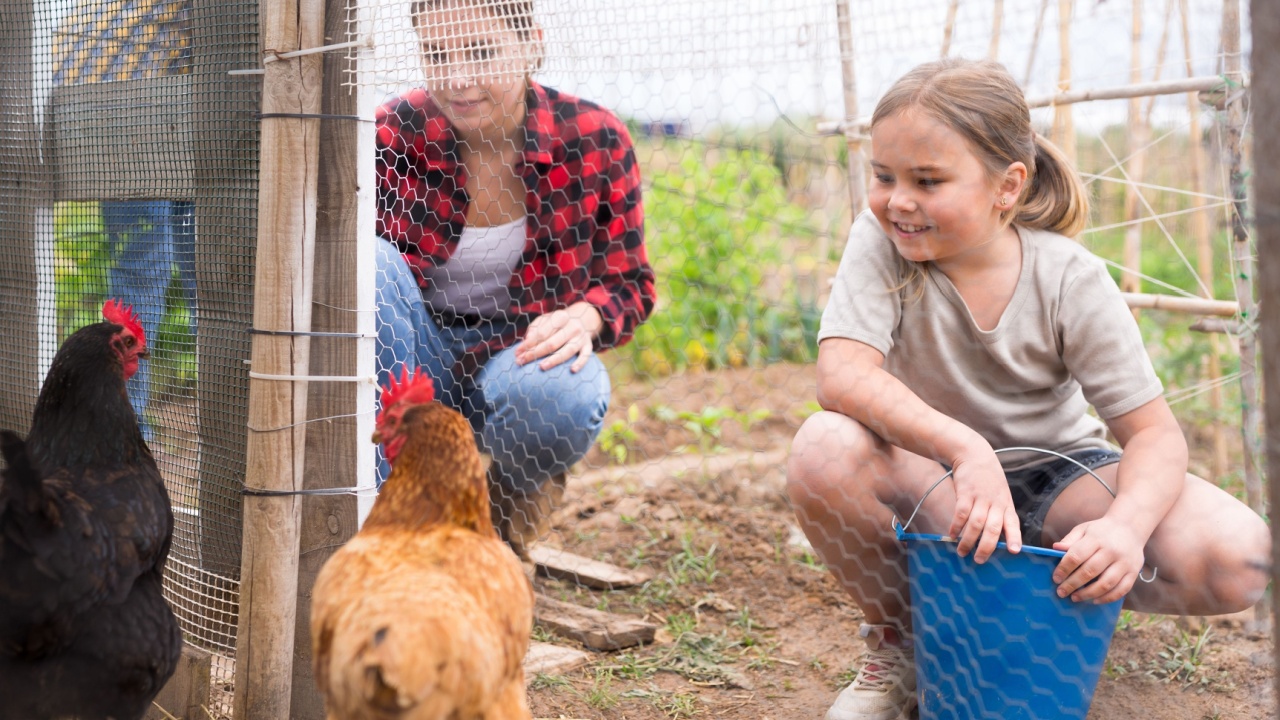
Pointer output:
585, 222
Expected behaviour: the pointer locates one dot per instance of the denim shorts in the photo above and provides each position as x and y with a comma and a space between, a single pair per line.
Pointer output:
1035, 488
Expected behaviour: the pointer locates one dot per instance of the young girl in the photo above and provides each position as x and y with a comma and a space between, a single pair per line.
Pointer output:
963, 320
512, 248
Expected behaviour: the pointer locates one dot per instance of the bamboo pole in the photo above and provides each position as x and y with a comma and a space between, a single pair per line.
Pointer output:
1204, 247
1265, 19
1243, 256
1163, 87
997, 20
1187, 305
1138, 138
1064, 130
275, 450
950, 28
1161, 53
1035, 43
849, 86
1212, 83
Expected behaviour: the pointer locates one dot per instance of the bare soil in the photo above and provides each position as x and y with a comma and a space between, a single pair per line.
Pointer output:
753, 626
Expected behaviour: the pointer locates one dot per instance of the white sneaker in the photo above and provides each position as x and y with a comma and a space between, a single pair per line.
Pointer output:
885, 688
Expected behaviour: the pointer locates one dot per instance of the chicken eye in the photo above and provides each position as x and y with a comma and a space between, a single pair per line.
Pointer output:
130, 342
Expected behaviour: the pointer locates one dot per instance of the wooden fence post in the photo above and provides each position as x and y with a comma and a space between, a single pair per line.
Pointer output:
21, 188
333, 454
280, 358
1265, 19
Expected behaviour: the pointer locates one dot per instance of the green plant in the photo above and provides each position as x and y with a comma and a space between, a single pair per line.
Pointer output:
619, 437
719, 228
811, 561
690, 565
542, 681
1181, 660
706, 424
681, 623
601, 694
83, 259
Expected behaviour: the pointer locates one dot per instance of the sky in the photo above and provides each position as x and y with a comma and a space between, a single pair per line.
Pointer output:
714, 62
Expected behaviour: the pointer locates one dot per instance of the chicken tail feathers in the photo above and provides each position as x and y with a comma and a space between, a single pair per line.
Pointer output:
383, 697
23, 488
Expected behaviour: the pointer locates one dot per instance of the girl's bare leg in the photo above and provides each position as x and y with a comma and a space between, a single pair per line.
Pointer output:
846, 484
1212, 554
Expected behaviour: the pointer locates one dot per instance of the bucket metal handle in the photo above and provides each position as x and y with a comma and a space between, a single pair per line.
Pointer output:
1068, 458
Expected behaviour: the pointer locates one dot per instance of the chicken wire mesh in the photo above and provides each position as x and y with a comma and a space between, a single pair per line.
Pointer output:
720, 111
141, 159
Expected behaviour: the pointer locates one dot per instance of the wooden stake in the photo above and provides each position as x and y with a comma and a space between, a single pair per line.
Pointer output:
1035, 43
1138, 137
1265, 19
1064, 129
1243, 271
849, 83
278, 407
949, 29
997, 18
333, 447
1204, 247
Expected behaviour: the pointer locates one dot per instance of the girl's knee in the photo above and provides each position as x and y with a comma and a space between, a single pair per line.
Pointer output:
823, 453
1245, 565
1237, 566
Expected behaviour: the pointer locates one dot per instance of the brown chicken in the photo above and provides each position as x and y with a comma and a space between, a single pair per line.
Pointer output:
85, 529
425, 614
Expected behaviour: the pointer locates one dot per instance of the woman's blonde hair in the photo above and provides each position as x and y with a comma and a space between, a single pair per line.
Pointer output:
980, 100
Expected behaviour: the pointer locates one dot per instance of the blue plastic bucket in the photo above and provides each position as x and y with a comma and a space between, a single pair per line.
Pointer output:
995, 640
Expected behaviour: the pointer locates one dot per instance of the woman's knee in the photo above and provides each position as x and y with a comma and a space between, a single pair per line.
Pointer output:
552, 413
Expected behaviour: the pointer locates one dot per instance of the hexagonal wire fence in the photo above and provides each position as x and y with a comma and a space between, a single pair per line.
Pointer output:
676, 193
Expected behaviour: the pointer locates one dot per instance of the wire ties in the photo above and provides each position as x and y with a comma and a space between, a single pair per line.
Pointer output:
303, 333
314, 378
365, 42
357, 490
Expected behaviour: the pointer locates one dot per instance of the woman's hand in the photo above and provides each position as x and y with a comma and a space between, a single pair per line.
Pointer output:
984, 507
560, 335
1103, 551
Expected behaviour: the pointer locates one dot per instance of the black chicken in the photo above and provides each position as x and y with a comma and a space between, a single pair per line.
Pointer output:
85, 528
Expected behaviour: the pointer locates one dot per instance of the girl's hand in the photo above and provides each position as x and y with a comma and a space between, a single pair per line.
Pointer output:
560, 335
984, 507
1103, 551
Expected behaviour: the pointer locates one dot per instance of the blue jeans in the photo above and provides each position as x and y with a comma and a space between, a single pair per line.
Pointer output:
534, 423
148, 237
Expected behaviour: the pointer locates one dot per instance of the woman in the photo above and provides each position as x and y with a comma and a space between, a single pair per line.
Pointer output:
512, 249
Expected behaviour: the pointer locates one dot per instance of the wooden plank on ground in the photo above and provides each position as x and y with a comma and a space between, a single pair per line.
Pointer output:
564, 565
187, 692
593, 628
547, 659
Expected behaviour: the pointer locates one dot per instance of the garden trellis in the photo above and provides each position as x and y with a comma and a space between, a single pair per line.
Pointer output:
749, 122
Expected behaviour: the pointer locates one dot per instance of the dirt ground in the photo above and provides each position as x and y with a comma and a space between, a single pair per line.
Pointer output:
753, 626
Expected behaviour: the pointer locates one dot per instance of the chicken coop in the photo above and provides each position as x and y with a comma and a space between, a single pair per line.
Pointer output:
218, 166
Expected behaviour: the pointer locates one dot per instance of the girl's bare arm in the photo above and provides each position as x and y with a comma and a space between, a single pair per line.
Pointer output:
1150, 478
853, 382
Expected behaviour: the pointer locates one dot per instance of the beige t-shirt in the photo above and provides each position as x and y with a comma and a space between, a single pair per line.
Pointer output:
1066, 341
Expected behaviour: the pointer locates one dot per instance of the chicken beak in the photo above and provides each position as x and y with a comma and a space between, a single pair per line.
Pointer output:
144, 354
377, 437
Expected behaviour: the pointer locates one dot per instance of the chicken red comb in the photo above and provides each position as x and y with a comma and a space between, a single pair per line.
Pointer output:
117, 312
414, 389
